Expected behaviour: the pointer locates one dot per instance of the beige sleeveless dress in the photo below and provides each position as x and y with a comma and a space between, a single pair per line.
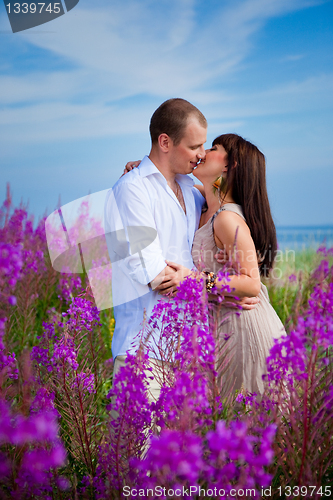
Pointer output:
246, 336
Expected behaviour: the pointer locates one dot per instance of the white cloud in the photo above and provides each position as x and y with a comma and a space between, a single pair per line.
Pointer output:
54, 121
310, 94
140, 48
38, 87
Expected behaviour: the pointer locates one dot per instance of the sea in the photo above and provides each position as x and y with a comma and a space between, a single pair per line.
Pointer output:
303, 237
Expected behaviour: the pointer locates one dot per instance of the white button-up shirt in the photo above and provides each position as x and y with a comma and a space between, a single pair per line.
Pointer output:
150, 227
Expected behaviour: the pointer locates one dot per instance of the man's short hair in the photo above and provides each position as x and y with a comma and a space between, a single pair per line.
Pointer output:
171, 118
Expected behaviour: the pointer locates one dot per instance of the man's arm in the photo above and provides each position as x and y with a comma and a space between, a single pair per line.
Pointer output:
129, 214
165, 275
170, 278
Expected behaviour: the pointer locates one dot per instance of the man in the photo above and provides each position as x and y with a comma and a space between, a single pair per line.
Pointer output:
158, 195
160, 201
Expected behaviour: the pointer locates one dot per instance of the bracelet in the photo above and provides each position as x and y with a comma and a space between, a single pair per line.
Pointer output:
210, 280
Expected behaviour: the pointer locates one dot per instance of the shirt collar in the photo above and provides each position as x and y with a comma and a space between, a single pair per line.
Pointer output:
147, 167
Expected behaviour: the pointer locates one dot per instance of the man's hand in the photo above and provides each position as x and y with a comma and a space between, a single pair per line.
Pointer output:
130, 165
246, 303
249, 303
174, 274
221, 257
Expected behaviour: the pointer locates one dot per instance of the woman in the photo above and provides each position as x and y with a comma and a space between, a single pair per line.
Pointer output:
238, 220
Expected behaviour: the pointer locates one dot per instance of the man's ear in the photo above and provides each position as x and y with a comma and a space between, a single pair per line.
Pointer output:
164, 142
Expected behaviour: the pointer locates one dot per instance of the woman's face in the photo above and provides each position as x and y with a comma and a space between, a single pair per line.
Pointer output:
214, 165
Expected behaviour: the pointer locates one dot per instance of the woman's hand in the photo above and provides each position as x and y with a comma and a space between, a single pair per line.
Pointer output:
175, 273
130, 165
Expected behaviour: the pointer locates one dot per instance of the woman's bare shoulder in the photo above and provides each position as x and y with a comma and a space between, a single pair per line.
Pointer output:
226, 222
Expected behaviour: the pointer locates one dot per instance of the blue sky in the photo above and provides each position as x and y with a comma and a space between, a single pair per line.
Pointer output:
76, 94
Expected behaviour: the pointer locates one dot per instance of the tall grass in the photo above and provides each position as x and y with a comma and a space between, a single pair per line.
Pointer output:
292, 282
66, 433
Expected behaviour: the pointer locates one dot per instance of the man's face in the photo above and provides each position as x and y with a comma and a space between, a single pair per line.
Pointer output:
184, 157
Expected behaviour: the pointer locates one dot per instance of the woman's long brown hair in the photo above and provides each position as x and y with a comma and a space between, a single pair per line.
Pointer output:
246, 179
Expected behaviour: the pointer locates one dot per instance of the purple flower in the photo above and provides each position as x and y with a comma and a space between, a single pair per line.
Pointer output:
85, 382
233, 458
83, 315
43, 450
64, 354
129, 427
174, 458
240, 398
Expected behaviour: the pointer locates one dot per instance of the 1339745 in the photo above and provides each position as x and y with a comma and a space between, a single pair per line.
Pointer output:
304, 491
33, 8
